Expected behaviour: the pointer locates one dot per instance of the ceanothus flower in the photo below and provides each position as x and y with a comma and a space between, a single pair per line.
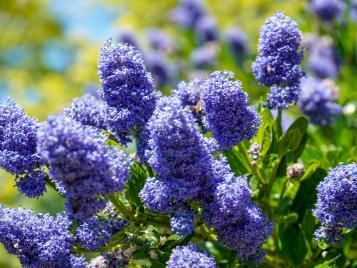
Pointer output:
178, 151
159, 40
81, 164
187, 13
189, 93
226, 110
323, 60
317, 101
205, 55
179, 155
32, 184
88, 110
206, 30
330, 234
37, 240
162, 70
18, 148
229, 201
127, 36
189, 256
337, 198
327, 10
277, 63
166, 195
247, 235
95, 232
182, 222
280, 97
237, 41
127, 88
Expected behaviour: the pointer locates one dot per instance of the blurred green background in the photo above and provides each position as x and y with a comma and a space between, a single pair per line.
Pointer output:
49, 51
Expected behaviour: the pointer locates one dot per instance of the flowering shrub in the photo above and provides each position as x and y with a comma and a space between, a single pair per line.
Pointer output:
216, 180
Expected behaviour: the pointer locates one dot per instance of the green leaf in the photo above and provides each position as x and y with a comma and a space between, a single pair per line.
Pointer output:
301, 124
290, 141
237, 162
309, 225
310, 170
135, 183
306, 196
293, 244
270, 160
266, 141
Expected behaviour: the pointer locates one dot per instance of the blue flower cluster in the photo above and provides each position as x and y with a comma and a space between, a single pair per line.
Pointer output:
229, 201
18, 153
95, 232
206, 30
327, 10
336, 205
162, 70
127, 88
38, 240
89, 110
277, 64
317, 101
323, 60
179, 155
239, 223
226, 110
189, 93
81, 164
247, 235
188, 13
238, 43
190, 256
182, 222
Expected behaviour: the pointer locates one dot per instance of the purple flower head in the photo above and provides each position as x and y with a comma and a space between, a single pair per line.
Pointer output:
182, 222
317, 101
327, 10
204, 56
189, 93
127, 88
32, 184
95, 233
18, 149
237, 41
353, 12
81, 163
247, 235
179, 154
159, 40
162, 70
332, 235
277, 63
88, 110
323, 60
128, 37
166, 195
226, 110
187, 13
17, 139
37, 240
337, 197
229, 202
190, 256
206, 30
178, 150
280, 97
